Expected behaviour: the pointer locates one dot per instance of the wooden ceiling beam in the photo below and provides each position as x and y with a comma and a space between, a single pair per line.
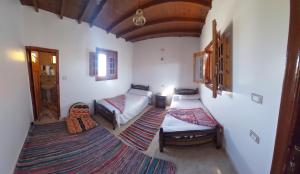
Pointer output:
98, 12
189, 31
167, 35
35, 5
62, 9
22, 2
204, 3
161, 21
88, 6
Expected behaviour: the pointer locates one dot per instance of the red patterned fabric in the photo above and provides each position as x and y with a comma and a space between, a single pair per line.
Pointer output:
195, 116
79, 111
118, 102
76, 112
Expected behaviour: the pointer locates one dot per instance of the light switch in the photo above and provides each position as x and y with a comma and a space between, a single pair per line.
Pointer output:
64, 77
254, 136
257, 98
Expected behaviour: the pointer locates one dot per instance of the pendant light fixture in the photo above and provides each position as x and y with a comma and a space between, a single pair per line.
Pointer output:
138, 18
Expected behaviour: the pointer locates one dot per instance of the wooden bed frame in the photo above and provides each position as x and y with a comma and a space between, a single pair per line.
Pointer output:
110, 116
189, 138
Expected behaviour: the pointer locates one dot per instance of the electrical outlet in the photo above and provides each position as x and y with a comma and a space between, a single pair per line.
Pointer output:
257, 98
64, 77
254, 136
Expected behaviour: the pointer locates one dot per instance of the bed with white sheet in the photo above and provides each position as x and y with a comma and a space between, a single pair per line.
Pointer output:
124, 107
176, 132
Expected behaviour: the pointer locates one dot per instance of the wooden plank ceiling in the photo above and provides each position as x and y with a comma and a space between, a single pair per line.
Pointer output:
164, 17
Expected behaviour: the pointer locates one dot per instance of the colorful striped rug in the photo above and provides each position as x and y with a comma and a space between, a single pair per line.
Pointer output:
51, 149
141, 133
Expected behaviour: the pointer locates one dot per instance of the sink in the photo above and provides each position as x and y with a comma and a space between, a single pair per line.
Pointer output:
48, 87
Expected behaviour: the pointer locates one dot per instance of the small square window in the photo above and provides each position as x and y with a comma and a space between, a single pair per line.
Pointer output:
103, 64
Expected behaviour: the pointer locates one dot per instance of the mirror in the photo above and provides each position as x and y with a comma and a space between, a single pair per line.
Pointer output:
199, 59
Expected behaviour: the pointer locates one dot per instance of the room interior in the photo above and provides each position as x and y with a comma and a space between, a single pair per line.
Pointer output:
111, 78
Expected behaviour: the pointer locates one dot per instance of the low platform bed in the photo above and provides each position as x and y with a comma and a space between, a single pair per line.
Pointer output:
175, 132
110, 113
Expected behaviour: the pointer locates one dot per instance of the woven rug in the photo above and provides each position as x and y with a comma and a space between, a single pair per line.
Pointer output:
51, 149
141, 133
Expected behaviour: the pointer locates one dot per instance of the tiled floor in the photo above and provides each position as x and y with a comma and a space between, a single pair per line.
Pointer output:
204, 159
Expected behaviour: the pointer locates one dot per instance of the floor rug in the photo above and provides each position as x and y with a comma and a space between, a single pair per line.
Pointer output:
141, 133
51, 149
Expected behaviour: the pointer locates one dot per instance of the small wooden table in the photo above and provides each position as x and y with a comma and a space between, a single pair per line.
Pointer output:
160, 101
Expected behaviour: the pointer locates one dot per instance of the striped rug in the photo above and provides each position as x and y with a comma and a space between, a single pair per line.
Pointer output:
51, 149
141, 133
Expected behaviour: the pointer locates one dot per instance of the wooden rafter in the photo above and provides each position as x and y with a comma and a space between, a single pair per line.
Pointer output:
161, 21
167, 35
35, 5
188, 31
98, 12
205, 3
62, 8
88, 6
22, 2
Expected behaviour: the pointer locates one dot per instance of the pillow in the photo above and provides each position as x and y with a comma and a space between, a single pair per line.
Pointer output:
80, 124
79, 119
140, 92
186, 97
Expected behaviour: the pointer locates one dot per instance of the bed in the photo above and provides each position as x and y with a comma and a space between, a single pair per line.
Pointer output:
176, 132
129, 105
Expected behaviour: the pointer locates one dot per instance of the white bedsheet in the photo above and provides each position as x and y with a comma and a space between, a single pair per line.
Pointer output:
134, 105
171, 124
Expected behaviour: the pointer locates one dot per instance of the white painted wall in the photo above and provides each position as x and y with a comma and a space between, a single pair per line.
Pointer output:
15, 103
175, 70
74, 42
21, 26
260, 32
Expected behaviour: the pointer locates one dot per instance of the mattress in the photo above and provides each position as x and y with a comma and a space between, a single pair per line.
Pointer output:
171, 124
134, 105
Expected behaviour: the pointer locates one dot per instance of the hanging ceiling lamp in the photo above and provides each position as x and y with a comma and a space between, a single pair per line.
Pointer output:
138, 18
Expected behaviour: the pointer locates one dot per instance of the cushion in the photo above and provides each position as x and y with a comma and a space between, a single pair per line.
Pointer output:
190, 97
80, 124
140, 92
79, 119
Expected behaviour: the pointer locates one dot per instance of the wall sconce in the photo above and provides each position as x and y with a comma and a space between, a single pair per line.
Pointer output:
53, 59
34, 56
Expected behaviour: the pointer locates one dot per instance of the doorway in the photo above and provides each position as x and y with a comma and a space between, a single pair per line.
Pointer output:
43, 69
286, 158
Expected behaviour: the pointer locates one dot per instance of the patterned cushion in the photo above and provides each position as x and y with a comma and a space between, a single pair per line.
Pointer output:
79, 119
78, 110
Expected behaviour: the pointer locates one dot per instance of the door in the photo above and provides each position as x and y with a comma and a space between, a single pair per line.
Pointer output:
293, 164
35, 64
286, 159
43, 68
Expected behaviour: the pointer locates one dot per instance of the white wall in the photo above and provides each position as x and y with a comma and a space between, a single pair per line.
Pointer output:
74, 42
15, 103
21, 26
260, 32
175, 70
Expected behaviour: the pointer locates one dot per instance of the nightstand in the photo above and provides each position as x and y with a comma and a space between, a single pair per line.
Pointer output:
160, 101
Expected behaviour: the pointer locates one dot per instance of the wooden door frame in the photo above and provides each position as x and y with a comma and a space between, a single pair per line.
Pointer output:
290, 98
28, 55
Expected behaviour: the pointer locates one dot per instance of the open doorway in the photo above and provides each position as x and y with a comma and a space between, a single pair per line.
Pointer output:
43, 69
286, 158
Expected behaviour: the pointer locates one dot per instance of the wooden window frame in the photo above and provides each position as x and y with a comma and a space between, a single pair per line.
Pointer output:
111, 63
218, 67
199, 55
